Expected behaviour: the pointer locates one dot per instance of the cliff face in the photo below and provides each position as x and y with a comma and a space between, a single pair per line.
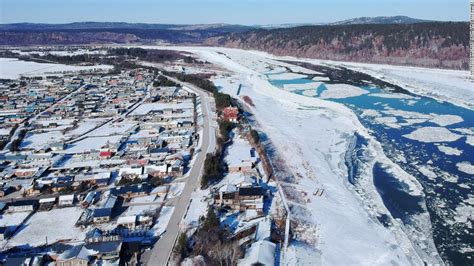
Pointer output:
443, 45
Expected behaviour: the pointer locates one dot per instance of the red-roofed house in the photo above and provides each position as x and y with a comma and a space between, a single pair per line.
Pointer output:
231, 114
105, 154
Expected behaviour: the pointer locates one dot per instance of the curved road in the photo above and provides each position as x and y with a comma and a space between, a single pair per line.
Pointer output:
162, 250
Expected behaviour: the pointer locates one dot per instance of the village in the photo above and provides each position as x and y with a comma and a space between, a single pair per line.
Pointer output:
93, 164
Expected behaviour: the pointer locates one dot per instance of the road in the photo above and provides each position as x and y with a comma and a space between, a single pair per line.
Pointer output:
162, 251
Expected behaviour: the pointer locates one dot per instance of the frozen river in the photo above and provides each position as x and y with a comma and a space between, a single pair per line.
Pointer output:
431, 140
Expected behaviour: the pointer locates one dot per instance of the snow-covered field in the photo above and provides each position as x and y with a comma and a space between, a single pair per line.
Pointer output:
53, 226
14, 219
12, 68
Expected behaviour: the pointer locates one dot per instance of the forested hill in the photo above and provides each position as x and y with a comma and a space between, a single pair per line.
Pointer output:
18, 34
434, 44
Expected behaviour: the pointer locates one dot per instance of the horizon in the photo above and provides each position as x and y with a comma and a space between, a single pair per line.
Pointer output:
224, 23
189, 12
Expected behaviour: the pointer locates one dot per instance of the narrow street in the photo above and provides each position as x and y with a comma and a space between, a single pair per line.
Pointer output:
162, 250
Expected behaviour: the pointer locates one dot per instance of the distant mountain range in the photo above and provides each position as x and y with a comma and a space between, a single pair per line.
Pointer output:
392, 40
220, 27
120, 25
111, 32
353, 21
380, 20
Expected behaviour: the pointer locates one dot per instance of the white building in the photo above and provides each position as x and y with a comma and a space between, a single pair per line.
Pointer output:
66, 200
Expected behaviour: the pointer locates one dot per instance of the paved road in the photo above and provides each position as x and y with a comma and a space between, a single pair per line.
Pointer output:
162, 251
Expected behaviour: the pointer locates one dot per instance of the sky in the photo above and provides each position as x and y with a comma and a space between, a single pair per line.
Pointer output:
246, 12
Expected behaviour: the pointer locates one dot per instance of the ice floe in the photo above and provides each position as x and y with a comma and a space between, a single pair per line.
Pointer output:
391, 95
389, 121
449, 150
427, 171
465, 167
446, 120
470, 140
339, 91
433, 134
304, 86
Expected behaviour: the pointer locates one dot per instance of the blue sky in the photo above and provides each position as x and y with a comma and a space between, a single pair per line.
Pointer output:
248, 12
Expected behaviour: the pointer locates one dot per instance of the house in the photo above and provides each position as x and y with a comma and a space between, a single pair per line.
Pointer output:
66, 200
260, 253
103, 213
132, 191
58, 146
131, 172
46, 204
231, 114
23, 206
99, 179
242, 167
241, 199
128, 222
75, 256
157, 170
62, 183
26, 172
105, 155
105, 249
177, 168
89, 199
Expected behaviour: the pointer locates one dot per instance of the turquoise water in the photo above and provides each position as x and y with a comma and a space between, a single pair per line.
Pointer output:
451, 186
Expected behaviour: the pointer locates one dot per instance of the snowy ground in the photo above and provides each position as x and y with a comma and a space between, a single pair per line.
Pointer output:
13, 219
163, 220
197, 208
12, 68
53, 226
175, 190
